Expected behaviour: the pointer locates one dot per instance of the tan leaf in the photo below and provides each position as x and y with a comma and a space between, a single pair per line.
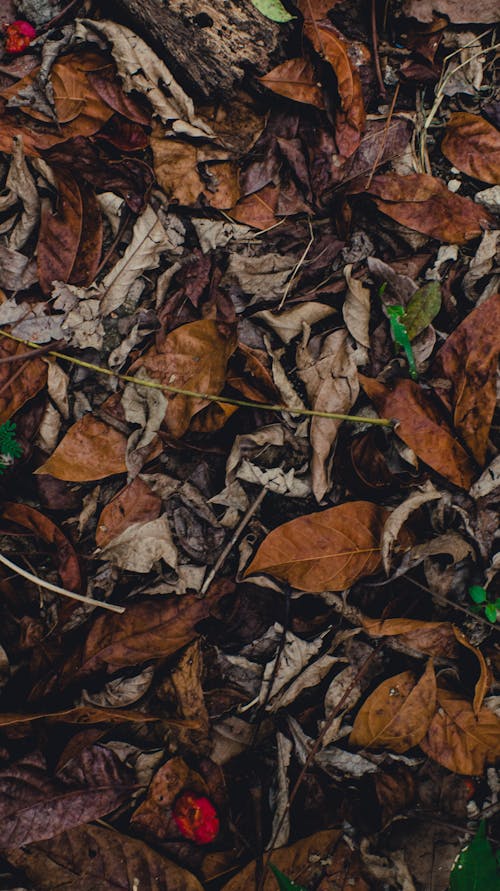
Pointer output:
176, 167
425, 204
397, 518
473, 146
192, 357
421, 426
90, 450
295, 79
136, 503
331, 549
332, 385
397, 714
484, 679
433, 638
356, 308
460, 740
468, 359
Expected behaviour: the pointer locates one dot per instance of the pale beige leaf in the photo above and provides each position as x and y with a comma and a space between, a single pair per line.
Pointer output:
356, 309
398, 517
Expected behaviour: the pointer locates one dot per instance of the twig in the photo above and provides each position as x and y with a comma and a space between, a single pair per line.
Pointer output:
299, 265
376, 58
221, 559
209, 397
57, 18
8, 360
56, 589
116, 241
462, 609
384, 137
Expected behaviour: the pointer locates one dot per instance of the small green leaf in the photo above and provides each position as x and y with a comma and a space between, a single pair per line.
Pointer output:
475, 868
490, 612
284, 883
478, 594
422, 309
400, 336
274, 10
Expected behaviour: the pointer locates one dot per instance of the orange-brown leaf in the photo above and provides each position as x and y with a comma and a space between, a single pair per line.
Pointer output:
468, 360
350, 119
433, 638
460, 740
80, 714
64, 553
91, 450
295, 79
473, 146
425, 204
136, 503
24, 386
397, 714
484, 679
331, 549
421, 426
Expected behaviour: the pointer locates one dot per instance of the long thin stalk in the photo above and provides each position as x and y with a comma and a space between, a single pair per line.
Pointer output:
209, 397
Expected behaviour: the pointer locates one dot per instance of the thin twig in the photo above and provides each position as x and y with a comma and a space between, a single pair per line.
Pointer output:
443, 599
57, 18
56, 589
299, 265
384, 137
221, 559
19, 357
209, 397
376, 58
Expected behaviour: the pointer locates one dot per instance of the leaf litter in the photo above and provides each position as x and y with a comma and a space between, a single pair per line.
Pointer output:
249, 356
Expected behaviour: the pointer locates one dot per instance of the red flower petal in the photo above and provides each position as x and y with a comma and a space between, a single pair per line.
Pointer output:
196, 818
18, 36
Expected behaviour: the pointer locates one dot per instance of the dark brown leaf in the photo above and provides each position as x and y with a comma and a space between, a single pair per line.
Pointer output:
24, 386
297, 80
473, 145
136, 503
460, 740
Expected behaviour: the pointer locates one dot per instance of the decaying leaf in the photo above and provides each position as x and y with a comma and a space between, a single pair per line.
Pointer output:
295, 79
136, 503
399, 516
460, 740
433, 638
397, 714
473, 145
23, 387
90, 450
356, 308
330, 549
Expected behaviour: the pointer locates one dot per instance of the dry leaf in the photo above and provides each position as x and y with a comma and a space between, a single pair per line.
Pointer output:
65, 555
398, 517
433, 638
473, 146
397, 714
136, 503
421, 426
424, 203
332, 385
296, 79
484, 680
138, 547
177, 171
468, 360
460, 12
331, 549
460, 740
90, 450
23, 387
356, 308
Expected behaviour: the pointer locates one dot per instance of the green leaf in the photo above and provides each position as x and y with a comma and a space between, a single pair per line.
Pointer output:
400, 336
274, 10
422, 309
478, 594
490, 612
475, 868
284, 883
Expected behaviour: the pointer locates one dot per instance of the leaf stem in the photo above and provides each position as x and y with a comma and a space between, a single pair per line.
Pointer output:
210, 397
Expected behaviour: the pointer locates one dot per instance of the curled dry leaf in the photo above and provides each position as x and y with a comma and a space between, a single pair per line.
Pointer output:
192, 357
432, 638
460, 740
332, 385
331, 549
484, 679
90, 450
473, 145
356, 308
397, 714
468, 360
296, 79
138, 547
94, 857
424, 203
421, 426
350, 118
398, 517
154, 815
136, 503
24, 386
176, 164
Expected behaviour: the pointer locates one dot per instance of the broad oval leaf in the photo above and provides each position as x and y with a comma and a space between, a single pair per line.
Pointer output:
460, 740
397, 714
35, 522
473, 146
295, 79
476, 868
327, 550
273, 10
91, 450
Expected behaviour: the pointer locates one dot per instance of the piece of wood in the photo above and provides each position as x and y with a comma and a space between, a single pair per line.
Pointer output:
210, 46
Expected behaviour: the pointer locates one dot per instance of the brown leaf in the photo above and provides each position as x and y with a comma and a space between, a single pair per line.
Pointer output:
460, 740
94, 858
176, 167
397, 714
192, 357
153, 629
331, 549
258, 209
421, 426
107, 86
433, 638
484, 679
425, 204
90, 450
80, 714
350, 119
473, 145
24, 386
136, 503
331, 381
33, 807
154, 814
468, 359
296, 79
64, 552
70, 240
301, 862
458, 11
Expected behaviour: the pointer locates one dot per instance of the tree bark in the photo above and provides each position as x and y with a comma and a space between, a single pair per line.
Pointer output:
209, 45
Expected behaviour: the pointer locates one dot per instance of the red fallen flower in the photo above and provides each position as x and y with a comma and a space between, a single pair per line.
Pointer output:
196, 818
18, 36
